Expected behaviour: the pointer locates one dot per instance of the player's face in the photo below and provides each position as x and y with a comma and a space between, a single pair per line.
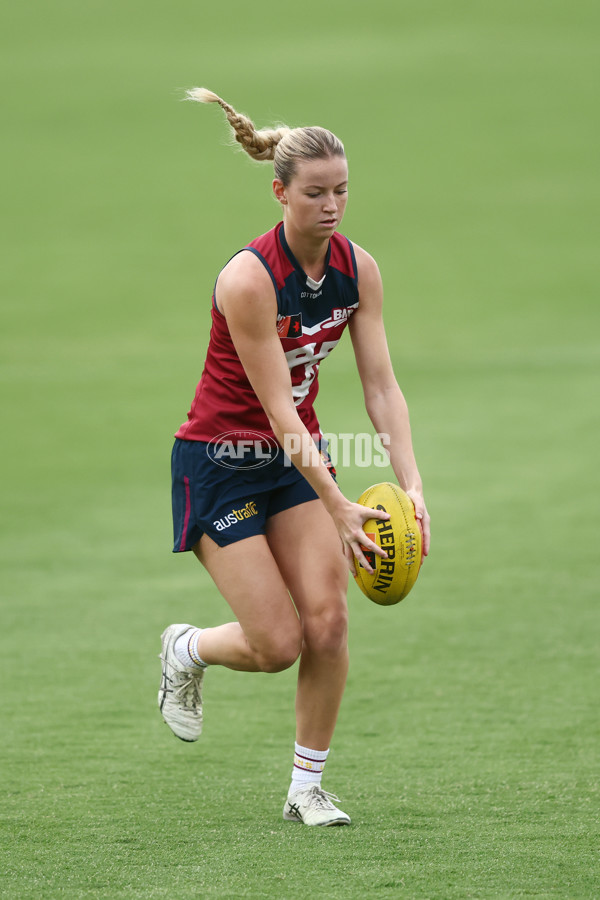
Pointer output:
315, 200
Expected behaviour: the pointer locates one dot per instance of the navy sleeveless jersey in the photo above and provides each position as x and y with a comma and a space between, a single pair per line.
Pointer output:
310, 322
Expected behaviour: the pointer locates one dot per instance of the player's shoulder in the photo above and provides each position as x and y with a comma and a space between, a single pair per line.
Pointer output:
243, 284
245, 268
249, 266
366, 266
247, 262
364, 258
268, 242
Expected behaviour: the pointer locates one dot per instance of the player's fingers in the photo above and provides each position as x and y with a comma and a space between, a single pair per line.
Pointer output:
360, 558
369, 513
422, 517
426, 535
362, 545
351, 560
423, 553
367, 544
423, 523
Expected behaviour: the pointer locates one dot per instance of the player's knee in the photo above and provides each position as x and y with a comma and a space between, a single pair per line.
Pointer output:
278, 659
327, 631
280, 654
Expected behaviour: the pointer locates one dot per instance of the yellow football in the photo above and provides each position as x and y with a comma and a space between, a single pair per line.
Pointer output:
400, 536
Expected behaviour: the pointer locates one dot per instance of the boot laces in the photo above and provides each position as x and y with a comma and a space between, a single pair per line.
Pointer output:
188, 691
322, 799
186, 687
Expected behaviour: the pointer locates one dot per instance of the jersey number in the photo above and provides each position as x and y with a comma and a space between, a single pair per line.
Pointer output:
309, 356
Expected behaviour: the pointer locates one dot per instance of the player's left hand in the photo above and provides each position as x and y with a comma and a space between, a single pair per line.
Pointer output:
422, 517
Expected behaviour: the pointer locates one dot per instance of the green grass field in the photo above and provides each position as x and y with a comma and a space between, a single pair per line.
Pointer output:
467, 748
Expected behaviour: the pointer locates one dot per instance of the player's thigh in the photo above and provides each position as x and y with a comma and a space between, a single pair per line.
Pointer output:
308, 550
247, 575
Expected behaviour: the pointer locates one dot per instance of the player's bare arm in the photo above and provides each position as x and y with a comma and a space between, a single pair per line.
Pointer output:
384, 401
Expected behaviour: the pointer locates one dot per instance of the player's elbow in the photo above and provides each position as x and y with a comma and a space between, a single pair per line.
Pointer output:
382, 399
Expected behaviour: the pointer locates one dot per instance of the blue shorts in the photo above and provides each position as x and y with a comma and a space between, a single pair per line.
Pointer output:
229, 498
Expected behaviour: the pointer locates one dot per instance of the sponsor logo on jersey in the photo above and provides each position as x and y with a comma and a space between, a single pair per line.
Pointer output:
290, 326
339, 315
236, 515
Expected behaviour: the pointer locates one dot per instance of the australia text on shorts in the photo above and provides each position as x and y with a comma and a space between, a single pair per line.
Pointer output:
256, 449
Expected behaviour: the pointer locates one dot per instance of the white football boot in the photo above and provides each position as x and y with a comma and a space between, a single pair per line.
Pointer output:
180, 691
313, 806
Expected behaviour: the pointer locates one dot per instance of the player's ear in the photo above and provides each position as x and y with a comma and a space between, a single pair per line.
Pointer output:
279, 190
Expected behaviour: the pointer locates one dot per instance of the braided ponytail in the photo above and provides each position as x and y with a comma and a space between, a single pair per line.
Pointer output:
259, 145
285, 146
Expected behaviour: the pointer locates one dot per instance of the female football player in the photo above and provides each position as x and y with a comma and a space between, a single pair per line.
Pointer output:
254, 495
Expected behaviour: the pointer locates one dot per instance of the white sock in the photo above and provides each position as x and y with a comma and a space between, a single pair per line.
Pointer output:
186, 649
308, 767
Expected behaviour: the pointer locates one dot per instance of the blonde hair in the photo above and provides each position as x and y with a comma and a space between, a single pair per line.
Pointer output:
285, 146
